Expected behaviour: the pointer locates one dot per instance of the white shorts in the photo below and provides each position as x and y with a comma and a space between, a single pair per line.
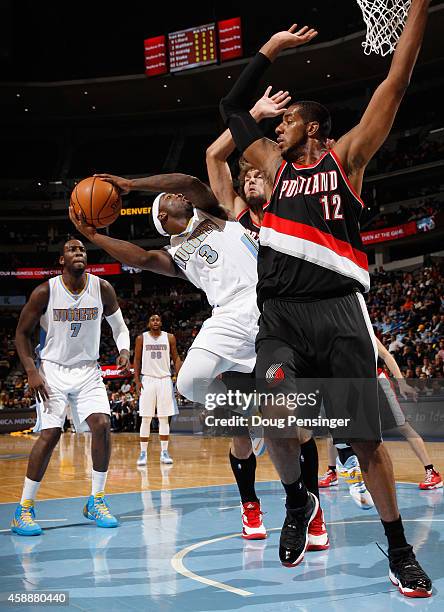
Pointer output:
157, 397
81, 388
231, 331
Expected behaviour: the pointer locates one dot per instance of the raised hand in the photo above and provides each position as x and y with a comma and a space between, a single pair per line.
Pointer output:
122, 184
270, 106
289, 39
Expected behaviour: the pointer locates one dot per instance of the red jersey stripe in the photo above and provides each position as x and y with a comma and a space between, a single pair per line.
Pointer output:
307, 232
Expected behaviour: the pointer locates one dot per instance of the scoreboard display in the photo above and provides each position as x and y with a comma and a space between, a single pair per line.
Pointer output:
198, 46
193, 47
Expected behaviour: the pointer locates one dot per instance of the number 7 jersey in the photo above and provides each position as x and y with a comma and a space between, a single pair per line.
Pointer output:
70, 327
310, 242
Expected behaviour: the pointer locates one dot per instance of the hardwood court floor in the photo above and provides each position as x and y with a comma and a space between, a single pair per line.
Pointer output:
198, 462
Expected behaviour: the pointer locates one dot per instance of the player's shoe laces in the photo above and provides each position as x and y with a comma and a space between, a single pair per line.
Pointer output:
317, 533
329, 479
406, 573
165, 458
432, 480
252, 525
23, 522
351, 471
294, 535
96, 509
142, 460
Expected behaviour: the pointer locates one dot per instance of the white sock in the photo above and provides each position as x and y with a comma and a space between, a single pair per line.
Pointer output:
164, 445
98, 481
30, 489
144, 447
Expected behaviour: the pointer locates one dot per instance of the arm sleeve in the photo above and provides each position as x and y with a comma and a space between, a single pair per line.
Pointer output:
120, 331
234, 107
243, 91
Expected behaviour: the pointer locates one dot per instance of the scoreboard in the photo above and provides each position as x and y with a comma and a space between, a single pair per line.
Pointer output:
193, 47
198, 46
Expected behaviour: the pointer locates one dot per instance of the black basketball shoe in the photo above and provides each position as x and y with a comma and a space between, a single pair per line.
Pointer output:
406, 573
294, 534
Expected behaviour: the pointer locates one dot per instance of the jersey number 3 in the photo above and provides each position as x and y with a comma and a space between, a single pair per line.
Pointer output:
75, 328
332, 208
207, 253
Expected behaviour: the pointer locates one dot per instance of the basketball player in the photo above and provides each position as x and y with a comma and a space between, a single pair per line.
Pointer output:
393, 419
69, 309
213, 252
247, 207
312, 271
152, 358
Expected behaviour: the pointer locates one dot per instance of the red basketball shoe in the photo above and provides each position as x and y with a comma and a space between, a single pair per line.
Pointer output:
252, 525
317, 533
432, 480
330, 479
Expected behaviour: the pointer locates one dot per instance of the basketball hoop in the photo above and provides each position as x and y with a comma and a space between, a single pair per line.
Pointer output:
385, 20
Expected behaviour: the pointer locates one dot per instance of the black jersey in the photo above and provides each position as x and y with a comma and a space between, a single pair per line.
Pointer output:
310, 242
247, 222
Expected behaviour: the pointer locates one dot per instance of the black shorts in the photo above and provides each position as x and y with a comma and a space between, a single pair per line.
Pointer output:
328, 347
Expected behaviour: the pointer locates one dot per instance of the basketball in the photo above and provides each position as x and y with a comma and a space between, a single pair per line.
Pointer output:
97, 201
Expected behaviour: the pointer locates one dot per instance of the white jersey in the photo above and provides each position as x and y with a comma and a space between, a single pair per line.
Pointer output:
217, 256
156, 355
70, 326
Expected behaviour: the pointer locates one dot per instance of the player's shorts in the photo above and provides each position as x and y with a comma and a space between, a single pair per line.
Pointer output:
318, 347
231, 331
390, 410
81, 387
157, 397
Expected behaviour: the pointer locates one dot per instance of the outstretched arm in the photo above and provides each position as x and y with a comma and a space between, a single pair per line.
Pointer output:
262, 153
219, 174
358, 146
199, 194
154, 261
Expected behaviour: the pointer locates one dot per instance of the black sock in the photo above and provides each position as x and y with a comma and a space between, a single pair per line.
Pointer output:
296, 494
332, 468
310, 466
428, 467
345, 453
394, 531
244, 471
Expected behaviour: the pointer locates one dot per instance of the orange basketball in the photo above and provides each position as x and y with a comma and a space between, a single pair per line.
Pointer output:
97, 201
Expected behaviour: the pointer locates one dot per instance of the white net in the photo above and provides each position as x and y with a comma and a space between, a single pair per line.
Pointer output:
385, 20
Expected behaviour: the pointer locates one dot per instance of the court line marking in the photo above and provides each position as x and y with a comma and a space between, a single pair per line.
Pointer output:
179, 567
177, 561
